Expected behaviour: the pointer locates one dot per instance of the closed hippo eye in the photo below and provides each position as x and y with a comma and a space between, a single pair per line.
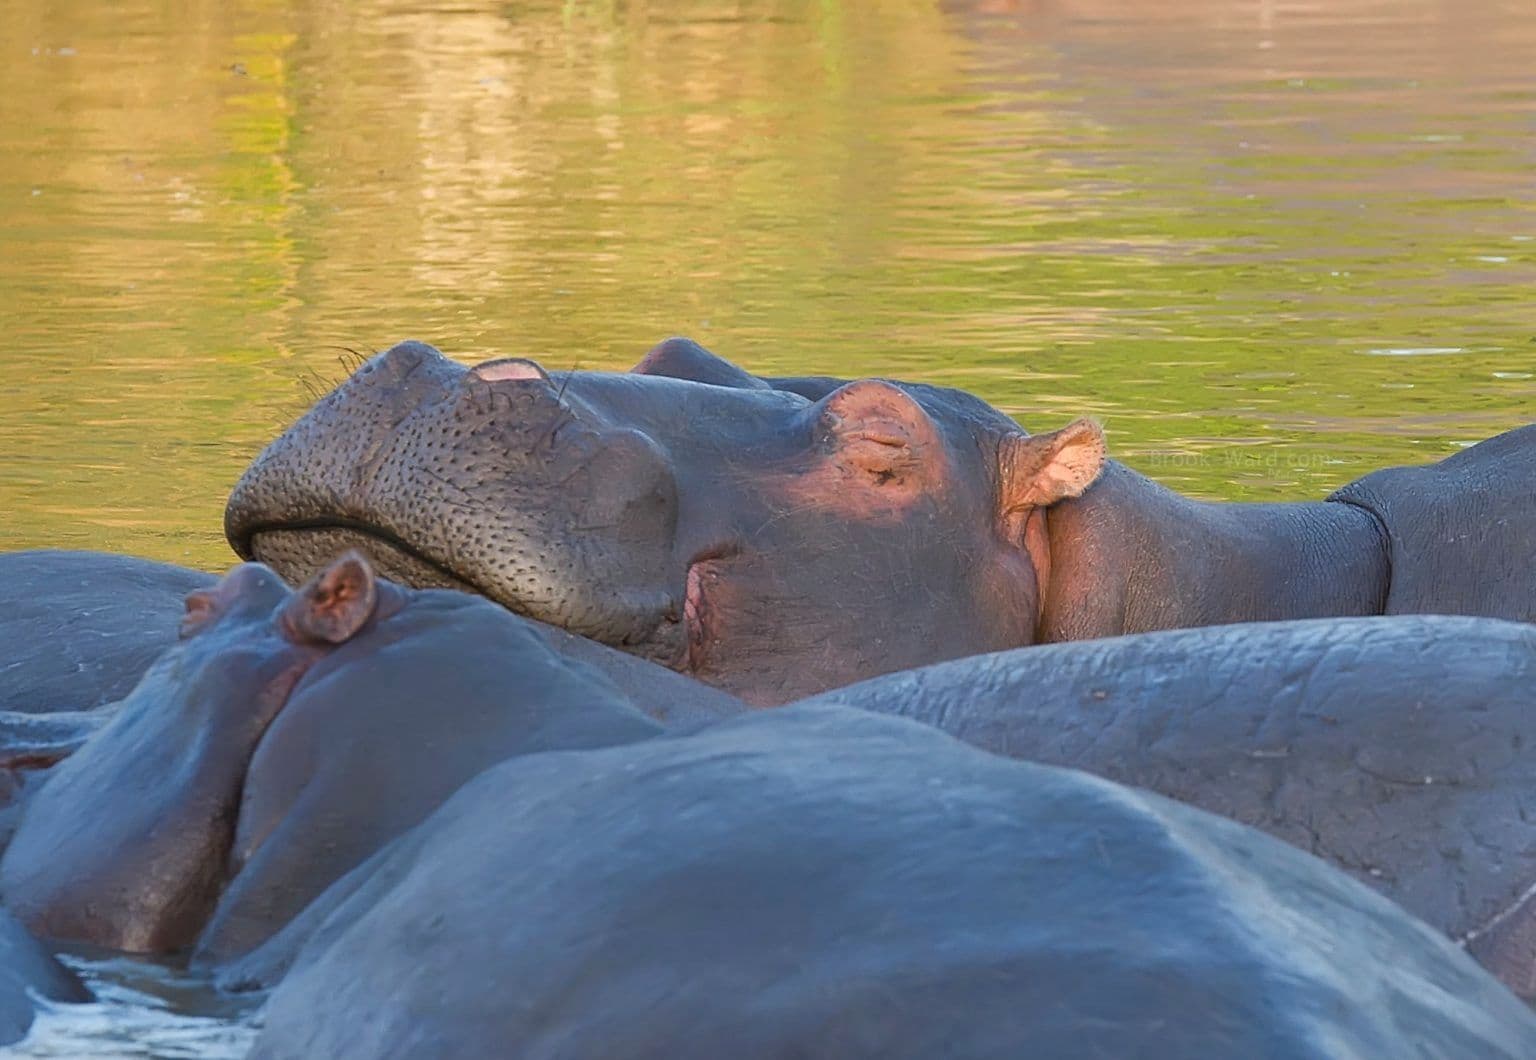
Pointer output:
876, 427
881, 449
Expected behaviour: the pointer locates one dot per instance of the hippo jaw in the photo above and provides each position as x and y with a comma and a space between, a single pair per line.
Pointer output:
484, 480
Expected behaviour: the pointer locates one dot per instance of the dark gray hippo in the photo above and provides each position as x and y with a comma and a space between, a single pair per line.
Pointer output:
29, 972
80, 628
818, 882
280, 743
780, 537
1401, 749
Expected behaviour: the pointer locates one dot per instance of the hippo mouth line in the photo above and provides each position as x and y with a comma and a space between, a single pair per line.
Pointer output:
298, 548
307, 545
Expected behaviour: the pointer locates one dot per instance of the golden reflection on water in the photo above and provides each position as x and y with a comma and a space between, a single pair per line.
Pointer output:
1272, 245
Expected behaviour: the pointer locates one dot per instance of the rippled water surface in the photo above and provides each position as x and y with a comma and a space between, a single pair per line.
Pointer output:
1271, 244
143, 1011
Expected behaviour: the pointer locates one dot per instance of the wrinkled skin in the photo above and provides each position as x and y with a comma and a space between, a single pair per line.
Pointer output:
1401, 749
817, 882
286, 738
779, 537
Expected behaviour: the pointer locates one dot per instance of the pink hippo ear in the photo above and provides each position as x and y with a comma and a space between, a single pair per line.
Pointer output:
1040, 469
202, 609
878, 428
334, 604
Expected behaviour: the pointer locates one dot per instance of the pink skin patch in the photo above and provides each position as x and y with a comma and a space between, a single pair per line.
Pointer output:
693, 616
513, 368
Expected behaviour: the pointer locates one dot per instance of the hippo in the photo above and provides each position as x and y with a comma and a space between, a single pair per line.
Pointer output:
29, 972
80, 628
1401, 749
819, 882
282, 741
779, 537
87, 625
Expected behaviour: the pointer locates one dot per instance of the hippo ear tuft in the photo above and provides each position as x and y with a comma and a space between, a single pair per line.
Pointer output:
1039, 470
334, 604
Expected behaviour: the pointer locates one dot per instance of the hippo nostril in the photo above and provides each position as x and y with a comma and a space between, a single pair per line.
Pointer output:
509, 368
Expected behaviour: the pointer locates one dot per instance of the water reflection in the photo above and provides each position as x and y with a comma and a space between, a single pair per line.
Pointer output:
1272, 245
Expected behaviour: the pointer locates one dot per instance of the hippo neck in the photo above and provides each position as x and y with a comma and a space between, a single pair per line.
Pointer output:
1130, 556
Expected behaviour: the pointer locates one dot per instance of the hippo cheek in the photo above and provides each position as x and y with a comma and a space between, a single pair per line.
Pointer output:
745, 613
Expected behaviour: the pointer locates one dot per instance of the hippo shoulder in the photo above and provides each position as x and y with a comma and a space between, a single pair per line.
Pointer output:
1462, 531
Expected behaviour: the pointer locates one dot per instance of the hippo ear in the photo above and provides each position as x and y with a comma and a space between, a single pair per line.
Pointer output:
685, 359
335, 603
1040, 469
202, 609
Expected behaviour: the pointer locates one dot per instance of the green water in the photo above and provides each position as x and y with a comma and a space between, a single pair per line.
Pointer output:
1271, 245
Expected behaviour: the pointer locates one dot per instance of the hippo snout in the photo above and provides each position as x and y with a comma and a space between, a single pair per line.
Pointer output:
488, 478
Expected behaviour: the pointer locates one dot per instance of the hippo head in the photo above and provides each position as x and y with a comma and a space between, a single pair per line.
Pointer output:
125, 843
285, 738
773, 538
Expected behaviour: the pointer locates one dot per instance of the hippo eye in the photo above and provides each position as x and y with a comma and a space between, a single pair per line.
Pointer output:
878, 449
877, 428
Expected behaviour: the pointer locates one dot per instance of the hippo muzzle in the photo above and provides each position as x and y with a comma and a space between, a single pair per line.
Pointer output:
488, 479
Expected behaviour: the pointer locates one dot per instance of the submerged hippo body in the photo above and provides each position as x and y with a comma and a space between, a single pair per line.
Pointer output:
80, 628
817, 882
286, 738
1401, 749
780, 537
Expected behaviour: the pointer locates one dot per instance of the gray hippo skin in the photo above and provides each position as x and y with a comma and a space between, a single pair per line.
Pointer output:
778, 537
80, 628
280, 743
28, 971
818, 882
1401, 749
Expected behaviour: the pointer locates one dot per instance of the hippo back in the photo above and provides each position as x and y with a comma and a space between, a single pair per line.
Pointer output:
80, 628
1462, 532
1394, 747
819, 882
